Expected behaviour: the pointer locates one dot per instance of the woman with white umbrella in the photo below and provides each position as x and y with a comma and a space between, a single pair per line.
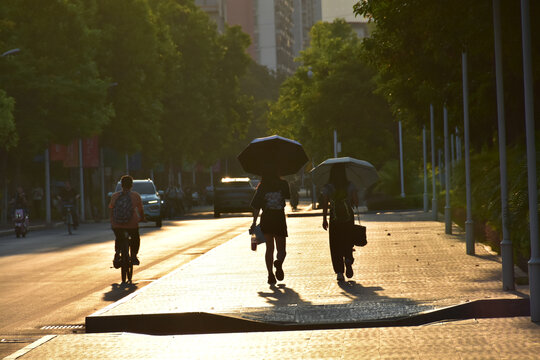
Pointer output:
342, 195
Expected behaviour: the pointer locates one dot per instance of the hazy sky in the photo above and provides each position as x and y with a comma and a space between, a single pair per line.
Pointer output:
332, 9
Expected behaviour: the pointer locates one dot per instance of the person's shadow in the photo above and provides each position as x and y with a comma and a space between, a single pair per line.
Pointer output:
281, 295
357, 292
118, 291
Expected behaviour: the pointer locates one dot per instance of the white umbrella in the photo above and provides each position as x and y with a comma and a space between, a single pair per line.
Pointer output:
361, 173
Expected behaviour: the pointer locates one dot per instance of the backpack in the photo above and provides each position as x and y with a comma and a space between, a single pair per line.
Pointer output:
123, 208
341, 210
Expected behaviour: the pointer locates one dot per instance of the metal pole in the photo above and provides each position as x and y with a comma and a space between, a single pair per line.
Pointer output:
441, 168
335, 143
434, 205
453, 153
313, 189
469, 222
534, 262
401, 161
506, 243
81, 177
447, 208
102, 175
426, 196
47, 188
458, 145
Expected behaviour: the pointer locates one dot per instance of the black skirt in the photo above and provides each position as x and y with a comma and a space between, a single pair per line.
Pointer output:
273, 222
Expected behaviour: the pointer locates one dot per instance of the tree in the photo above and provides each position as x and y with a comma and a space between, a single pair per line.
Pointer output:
59, 95
416, 48
128, 57
340, 95
203, 110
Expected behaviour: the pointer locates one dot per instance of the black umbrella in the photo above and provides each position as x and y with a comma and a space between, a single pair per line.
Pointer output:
284, 155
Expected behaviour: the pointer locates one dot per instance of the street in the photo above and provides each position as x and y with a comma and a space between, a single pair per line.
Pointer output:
50, 281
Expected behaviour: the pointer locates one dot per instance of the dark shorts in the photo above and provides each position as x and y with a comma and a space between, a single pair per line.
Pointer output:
273, 222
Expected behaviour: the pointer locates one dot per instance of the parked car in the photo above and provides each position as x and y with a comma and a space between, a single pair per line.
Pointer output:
151, 199
233, 195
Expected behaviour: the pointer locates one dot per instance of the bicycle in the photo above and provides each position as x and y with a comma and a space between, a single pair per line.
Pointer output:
69, 217
126, 266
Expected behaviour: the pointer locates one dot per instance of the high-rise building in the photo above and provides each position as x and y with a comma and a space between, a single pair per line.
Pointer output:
279, 29
215, 10
305, 14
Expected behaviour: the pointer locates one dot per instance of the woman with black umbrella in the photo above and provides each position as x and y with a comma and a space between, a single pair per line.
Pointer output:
342, 196
270, 197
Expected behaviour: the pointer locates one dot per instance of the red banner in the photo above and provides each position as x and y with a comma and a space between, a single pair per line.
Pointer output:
57, 152
72, 155
90, 152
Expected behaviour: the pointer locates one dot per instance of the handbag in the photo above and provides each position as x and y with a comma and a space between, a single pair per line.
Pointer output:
257, 236
359, 237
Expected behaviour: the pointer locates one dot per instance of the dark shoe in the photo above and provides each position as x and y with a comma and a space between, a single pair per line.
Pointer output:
279, 270
117, 261
135, 260
271, 279
340, 277
348, 268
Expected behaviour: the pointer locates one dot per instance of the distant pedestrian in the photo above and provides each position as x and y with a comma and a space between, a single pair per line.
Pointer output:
270, 197
342, 196
37, 198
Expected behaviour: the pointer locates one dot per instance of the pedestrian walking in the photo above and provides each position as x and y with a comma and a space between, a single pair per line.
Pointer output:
37, 197
270, 197
341, 195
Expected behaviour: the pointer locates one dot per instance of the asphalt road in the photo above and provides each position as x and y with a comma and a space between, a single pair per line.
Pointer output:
50, 281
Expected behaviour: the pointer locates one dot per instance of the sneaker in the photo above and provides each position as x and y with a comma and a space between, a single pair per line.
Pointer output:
340, 277
279, 270
117, 261
271, 279
135, 260
348, 268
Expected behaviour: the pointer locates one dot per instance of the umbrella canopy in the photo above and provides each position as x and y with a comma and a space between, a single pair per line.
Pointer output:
284, 155
359, 172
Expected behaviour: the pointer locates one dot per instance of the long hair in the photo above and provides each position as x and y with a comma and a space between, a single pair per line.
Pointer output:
338, 177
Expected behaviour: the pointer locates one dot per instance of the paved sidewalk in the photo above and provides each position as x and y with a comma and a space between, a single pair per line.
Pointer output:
409, 267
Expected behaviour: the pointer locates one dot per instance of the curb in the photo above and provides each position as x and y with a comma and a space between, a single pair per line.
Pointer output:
207, 323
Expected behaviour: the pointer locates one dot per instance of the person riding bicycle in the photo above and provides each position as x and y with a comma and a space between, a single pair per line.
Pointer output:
68, 196
19, 201
126, 211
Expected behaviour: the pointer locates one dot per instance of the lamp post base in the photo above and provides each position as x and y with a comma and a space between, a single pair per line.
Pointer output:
507, 265
448, 220
469, 237
534, 286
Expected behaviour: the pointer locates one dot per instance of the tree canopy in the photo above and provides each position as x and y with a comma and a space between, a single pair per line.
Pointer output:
333, 89
416, 48
146, 76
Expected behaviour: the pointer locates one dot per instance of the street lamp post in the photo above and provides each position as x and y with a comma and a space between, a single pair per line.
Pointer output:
424, 147
4, 162
434, 205
469, 225
506, 243
401, 160
447, 208
534, 262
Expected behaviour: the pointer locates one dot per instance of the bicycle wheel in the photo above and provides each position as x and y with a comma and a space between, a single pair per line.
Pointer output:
127, 266
69, 221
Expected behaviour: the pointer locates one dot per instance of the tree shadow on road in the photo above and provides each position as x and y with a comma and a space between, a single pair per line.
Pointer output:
118, 291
